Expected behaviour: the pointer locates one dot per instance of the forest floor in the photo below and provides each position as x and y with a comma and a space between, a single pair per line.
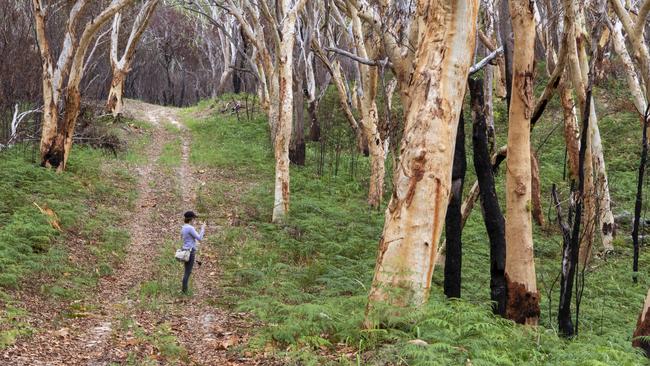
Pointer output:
137, 315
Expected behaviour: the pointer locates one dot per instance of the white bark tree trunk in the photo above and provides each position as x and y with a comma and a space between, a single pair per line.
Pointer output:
630, 71
367, 92
121, 66
56, 138
416, 212
284, 123
523, 297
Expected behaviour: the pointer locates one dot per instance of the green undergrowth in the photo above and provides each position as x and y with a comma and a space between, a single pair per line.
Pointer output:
88, 202
308, 279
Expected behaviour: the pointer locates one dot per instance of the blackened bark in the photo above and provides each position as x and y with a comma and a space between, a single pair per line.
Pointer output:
492, 216
570, 252
565, 322
639, 199
539, 112
453, 219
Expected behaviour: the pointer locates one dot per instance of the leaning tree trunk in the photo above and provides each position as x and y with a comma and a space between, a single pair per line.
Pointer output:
453, 219
523, 297
415, 214
606, 217
492, 216
643, 328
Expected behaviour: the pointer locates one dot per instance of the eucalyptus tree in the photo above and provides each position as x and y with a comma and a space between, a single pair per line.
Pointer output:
366, 47
275, 63
522, 294
57, 131
121, 65
431, 64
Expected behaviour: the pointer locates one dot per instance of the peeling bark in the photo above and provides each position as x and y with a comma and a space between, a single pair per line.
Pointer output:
115, 102
571, 132
415, 214
523, 305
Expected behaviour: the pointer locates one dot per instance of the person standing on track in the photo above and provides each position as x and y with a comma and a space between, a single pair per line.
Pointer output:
190, 238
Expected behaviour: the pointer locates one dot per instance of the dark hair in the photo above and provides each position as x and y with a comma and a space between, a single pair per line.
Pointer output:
189, 215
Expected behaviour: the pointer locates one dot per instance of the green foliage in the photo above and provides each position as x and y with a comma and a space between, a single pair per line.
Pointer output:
308, 280
90, 201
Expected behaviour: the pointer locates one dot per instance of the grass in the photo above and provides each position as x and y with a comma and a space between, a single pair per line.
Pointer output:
307, 280
171, 154
90, 202
164, 287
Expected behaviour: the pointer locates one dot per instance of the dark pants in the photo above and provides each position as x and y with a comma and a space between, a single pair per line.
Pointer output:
188, 270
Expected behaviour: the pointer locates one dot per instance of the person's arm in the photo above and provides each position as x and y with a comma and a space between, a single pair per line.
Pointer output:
198, 236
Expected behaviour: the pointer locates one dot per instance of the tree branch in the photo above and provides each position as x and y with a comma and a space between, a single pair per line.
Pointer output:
481, 64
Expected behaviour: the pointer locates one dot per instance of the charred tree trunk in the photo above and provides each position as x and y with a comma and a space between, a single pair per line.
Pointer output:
57, 148
453, 219
639, 199
571, 248
494, 222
